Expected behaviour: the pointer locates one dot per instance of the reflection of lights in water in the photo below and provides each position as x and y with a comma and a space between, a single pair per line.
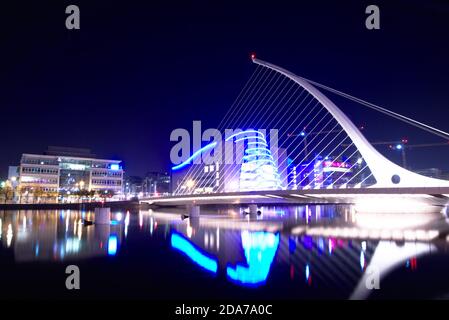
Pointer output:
72, 245
392, 204
375, 233
392, 221
260, 248
151, 225
9, 235
412, 263
24, 222
307, 272
1, 227
291, 245
140, 219
211, 240
206, 240
126, 223
362, 260
321, 244
218, 239
364, 245
307, 242
36, 250
119, 216
189, 230
66, 225
194, 253
330, 246
80, 228
112, 245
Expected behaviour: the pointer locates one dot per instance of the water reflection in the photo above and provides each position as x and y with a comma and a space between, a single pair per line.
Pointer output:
295, 251
260, 249
58, 235
198, 256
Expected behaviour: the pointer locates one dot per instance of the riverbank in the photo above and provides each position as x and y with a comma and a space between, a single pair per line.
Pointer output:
124, 205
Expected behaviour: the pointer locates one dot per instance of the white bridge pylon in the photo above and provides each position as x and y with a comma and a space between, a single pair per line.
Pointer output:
386, 173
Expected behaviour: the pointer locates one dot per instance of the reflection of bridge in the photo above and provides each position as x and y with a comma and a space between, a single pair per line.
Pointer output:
339, 165
335, 264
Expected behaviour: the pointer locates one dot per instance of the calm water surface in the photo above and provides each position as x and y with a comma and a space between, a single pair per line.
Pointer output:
304, 252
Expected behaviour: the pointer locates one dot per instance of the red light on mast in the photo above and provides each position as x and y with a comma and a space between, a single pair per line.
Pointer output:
253, 56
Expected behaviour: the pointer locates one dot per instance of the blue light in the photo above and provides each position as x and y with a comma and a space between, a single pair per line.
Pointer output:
245, 132
251, 137
190, 250
260, 248
302, 134
193, 156
398, 146
114, 167
258, 170
112, 245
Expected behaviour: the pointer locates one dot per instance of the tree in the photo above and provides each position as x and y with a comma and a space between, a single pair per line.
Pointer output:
38, 192
7, 192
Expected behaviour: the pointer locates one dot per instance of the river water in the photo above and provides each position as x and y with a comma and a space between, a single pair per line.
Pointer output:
294, 252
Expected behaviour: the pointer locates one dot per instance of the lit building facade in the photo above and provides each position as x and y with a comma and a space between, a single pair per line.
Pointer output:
253, 167
69, 171
156, 183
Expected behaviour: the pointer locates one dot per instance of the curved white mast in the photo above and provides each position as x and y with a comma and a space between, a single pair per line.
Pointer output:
386, 173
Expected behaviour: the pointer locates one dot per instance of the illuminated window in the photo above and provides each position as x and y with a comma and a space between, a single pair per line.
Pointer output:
211, 168
206, 169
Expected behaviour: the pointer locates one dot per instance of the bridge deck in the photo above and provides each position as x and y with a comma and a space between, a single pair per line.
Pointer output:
432, 195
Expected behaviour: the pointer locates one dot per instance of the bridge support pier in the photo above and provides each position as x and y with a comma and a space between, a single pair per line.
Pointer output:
193, 211
253, 210
103, 216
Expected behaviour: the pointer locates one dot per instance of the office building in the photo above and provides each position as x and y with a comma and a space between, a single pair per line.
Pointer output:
67, 170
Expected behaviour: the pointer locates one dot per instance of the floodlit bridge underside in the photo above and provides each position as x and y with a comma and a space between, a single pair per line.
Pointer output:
433, 196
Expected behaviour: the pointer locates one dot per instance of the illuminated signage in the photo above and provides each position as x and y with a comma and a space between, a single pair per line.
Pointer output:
114, 167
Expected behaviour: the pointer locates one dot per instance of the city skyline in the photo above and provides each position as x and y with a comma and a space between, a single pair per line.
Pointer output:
187, 65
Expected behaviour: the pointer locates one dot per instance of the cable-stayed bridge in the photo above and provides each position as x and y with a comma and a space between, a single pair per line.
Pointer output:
295, 145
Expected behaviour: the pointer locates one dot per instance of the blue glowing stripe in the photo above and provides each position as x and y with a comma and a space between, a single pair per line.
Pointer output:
251, 137
244, 132
258, 143
266, 161
193, 156
252, 156
189, 249
258, 149
260, 249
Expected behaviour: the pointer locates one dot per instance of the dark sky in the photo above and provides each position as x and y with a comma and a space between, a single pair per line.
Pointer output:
139, 69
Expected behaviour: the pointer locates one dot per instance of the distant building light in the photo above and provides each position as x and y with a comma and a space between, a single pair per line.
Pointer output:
115, 167
399, 147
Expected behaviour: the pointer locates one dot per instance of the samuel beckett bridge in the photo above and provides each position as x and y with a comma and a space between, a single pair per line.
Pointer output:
295, 145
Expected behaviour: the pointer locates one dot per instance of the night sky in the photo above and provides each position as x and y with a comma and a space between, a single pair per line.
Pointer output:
136, 70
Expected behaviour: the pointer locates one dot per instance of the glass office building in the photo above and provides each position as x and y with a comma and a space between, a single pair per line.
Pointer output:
67, 170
